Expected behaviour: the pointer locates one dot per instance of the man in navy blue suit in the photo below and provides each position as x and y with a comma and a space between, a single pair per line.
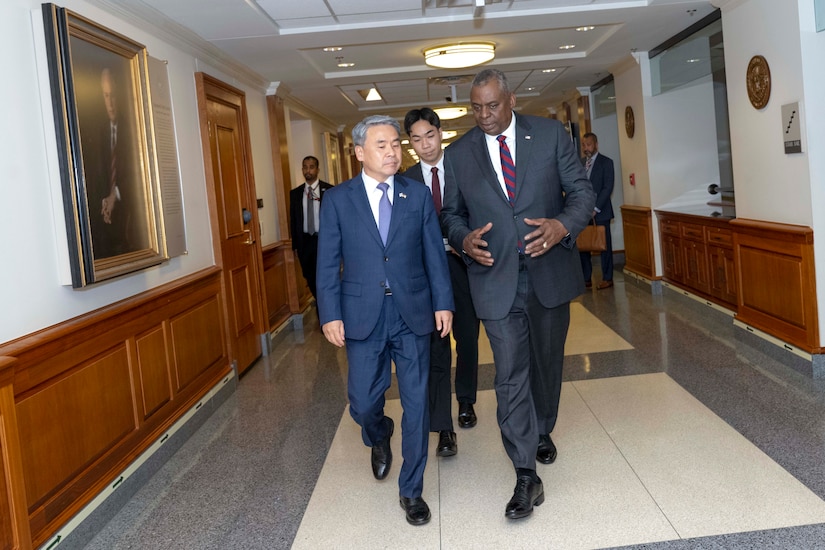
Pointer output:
383, 287
599, 170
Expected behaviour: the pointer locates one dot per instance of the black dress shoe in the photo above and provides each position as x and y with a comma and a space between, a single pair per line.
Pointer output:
466, 415
418, 513
528, 493
382, 454
546, 452
446, 443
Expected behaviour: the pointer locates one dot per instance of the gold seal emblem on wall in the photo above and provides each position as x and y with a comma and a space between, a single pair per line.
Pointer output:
758, 79
629, 121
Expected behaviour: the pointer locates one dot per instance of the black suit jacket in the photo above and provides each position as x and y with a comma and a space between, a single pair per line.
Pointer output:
296, 212
602, 178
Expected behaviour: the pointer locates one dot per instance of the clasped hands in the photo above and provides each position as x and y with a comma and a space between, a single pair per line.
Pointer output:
548, 233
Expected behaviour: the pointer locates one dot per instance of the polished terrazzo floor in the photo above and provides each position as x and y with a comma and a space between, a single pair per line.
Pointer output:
674, 432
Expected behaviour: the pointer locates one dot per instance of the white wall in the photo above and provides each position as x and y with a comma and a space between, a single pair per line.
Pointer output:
770, 185
627, 79
30, 290
301, 144
813, 54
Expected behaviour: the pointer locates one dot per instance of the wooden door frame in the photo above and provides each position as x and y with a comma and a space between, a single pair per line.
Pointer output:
209, 89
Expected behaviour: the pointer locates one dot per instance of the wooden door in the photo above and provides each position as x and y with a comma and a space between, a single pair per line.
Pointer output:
229, 173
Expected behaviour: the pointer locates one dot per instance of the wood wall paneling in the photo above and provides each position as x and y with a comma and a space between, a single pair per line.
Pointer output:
776, 275
153, 371
72, 421
637, 226
14, 514
697, 255
197, 341
89, 395
277, 265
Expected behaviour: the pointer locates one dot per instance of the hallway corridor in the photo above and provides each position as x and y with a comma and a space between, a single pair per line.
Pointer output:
676, 430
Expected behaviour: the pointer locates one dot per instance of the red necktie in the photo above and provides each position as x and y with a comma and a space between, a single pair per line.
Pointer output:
436, 191
508, 169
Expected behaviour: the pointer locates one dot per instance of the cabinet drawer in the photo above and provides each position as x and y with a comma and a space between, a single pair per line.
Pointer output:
693, 232
720, 237
669, 227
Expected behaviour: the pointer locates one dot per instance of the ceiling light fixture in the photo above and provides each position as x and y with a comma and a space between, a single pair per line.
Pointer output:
548, 70
585, 29
370, 94
342, 64
333, 49
459, 55
449, 113
448, 134
567, 47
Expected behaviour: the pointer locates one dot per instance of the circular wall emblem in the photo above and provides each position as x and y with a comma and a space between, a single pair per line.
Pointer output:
629, 121
758, 79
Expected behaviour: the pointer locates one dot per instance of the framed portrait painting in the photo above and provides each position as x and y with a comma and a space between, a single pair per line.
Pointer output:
105, 140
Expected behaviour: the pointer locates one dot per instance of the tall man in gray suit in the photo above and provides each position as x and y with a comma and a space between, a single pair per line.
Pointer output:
520, 198
383, 287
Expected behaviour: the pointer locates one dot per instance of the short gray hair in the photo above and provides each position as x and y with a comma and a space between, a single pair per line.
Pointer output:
492, 74
359, 133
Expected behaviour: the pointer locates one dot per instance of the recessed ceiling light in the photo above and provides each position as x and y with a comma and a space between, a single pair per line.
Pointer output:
333, 49
585, 29
548, 70
345, 65
373, 95
693, 60
567, 47
405, 142
530, 89
448, 134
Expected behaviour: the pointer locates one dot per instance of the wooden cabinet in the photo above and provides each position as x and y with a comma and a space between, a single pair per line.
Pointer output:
697, 254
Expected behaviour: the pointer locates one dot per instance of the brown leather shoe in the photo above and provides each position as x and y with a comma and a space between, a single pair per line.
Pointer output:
604, 284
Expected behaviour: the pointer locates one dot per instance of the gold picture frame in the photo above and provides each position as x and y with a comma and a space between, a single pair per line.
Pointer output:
103, 122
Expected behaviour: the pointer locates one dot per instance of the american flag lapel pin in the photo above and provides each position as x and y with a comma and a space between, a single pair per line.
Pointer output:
402, 195
528, 137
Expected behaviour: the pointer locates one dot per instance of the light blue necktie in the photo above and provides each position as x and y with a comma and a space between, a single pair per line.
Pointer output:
384, 212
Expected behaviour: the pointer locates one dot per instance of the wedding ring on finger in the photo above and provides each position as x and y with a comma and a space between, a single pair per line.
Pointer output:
544, 244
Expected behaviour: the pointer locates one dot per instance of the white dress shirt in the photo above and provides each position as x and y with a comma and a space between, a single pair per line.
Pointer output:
495, 150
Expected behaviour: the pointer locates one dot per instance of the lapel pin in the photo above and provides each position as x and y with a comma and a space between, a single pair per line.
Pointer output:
402, 195
528, 137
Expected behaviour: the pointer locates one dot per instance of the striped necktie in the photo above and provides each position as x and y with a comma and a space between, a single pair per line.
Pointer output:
508, 169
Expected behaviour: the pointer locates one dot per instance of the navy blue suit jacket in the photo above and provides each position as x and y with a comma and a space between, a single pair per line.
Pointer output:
602, 178
353, 263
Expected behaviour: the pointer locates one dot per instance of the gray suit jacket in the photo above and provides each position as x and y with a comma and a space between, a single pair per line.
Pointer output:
550, 183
